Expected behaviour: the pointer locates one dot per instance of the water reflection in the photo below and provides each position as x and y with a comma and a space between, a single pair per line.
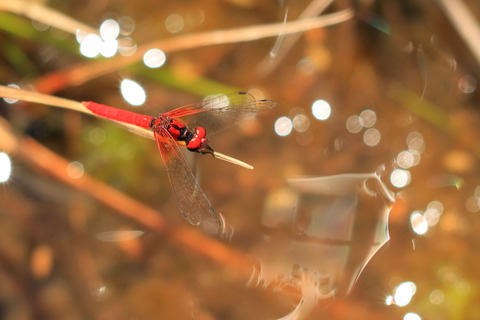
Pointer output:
320, 232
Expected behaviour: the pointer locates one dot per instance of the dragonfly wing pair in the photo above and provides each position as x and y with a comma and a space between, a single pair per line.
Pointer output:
192, 201
221, 111
214, 114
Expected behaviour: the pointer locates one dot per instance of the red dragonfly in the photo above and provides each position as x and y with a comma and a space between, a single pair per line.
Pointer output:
212, 115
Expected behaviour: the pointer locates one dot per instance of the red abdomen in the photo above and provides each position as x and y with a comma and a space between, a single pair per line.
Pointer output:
112, 113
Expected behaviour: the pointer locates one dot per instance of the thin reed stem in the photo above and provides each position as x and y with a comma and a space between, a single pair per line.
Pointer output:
35, 97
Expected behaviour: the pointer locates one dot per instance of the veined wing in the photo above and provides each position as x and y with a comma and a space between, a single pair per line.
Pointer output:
217, 112
192, 201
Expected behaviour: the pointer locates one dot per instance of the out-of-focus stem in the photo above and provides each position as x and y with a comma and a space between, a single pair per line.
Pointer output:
465, 23
44, 14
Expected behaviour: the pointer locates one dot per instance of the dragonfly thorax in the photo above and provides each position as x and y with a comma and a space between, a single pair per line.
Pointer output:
198, 141
194, 141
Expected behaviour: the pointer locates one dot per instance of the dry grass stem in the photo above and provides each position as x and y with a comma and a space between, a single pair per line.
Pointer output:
46, 15
45, 99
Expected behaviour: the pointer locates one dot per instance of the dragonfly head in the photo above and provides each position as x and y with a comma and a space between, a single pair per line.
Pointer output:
198, 141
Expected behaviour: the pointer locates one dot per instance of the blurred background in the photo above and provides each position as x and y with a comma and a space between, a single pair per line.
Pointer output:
384, 95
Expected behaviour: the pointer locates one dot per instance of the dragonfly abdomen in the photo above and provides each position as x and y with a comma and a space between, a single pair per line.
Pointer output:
111, 113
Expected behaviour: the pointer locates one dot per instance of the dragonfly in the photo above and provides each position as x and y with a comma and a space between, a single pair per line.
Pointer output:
187, 126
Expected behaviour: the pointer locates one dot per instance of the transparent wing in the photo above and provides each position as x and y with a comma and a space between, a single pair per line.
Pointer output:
192, 201
220, 111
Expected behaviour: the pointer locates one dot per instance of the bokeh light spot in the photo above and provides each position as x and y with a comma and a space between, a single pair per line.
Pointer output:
133, 92
109, 48
419, 223
411, 316
405, 159
5, 167
354, 124
195, 17
90, 46
283, 126
415, 142
109, 30
127, 47
174, 23
75, 169
127, 25
433, 213
467, 84
301, 123
11, 100
154, 58
473, 204
371, 137
97, 136
369, 118
436, 297
400, 178
321, 109
404, 293
306, 66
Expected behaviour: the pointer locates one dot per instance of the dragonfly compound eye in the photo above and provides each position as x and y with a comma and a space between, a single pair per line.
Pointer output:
199, 140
